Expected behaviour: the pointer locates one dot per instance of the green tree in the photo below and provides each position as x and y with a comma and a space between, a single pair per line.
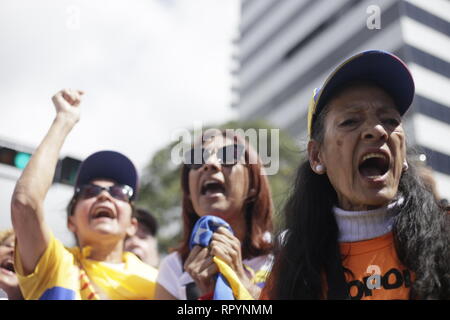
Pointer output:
161, 182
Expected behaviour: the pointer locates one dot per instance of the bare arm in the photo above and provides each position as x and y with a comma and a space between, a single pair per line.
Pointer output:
27, 202
162, 294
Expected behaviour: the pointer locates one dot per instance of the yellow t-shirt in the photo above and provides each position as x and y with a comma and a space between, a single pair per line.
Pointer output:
57, 276
378, 274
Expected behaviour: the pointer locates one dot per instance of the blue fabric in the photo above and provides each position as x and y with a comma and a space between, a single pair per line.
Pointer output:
201, 235
58, 293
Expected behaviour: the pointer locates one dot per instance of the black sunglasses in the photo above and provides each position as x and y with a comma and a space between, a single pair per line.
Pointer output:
228, 156
118, 191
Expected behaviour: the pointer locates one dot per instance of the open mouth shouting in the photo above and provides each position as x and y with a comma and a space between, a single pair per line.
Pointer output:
103, 213
7, 267
213, 188
374, 165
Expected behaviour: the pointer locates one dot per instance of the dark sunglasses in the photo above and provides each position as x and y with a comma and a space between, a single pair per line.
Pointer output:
117, 191
228, 156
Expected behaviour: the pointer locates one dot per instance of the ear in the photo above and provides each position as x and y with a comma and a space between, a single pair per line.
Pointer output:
71, 224
132, 229
315, 158
405, 165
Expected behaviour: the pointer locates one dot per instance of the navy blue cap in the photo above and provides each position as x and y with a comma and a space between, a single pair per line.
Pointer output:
379, 67
108, 165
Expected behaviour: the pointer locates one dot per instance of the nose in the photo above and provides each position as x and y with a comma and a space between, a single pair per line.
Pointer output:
212, 163
104, 195
374, 130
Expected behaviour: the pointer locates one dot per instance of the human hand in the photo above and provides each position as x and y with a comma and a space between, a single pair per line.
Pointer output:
227, 247
201, 267
67, 103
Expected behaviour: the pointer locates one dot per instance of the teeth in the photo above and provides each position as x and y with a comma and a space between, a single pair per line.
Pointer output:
103, 212
208, 183
373, 155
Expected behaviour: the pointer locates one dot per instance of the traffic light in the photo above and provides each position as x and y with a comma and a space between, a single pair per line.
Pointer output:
66, 171
18, 156
14, 158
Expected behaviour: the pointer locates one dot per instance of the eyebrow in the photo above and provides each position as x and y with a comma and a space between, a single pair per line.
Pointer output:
357, 107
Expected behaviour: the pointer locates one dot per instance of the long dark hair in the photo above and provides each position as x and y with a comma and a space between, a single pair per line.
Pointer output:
258, 208
309, 250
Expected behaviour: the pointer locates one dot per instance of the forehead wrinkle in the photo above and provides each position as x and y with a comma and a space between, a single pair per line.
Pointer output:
388, 109
354, 108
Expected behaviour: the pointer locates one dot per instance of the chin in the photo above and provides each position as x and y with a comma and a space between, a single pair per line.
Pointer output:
104, 231
214, 212
379, 199
213, 209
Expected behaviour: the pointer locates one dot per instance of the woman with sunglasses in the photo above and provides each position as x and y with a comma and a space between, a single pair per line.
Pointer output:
221, 177
100, 215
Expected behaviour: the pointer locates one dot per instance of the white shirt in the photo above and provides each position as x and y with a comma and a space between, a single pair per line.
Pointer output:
172, 277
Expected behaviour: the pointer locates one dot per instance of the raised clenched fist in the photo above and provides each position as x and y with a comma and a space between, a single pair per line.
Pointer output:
67, 103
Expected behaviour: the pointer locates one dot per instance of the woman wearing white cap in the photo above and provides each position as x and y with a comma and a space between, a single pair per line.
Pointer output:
100, 215
360, 222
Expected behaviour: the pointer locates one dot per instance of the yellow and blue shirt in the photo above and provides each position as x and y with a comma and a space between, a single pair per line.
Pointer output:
58, 276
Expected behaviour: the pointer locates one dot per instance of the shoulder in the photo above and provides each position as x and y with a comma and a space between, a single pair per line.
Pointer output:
54, 257
56, 268
171, 275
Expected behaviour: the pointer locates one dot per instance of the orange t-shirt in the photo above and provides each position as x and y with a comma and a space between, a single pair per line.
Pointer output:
378, 273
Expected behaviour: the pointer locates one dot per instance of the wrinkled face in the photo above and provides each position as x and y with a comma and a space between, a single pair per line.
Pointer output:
143, 245
102, 216
7, 274
219, 190
364, 147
